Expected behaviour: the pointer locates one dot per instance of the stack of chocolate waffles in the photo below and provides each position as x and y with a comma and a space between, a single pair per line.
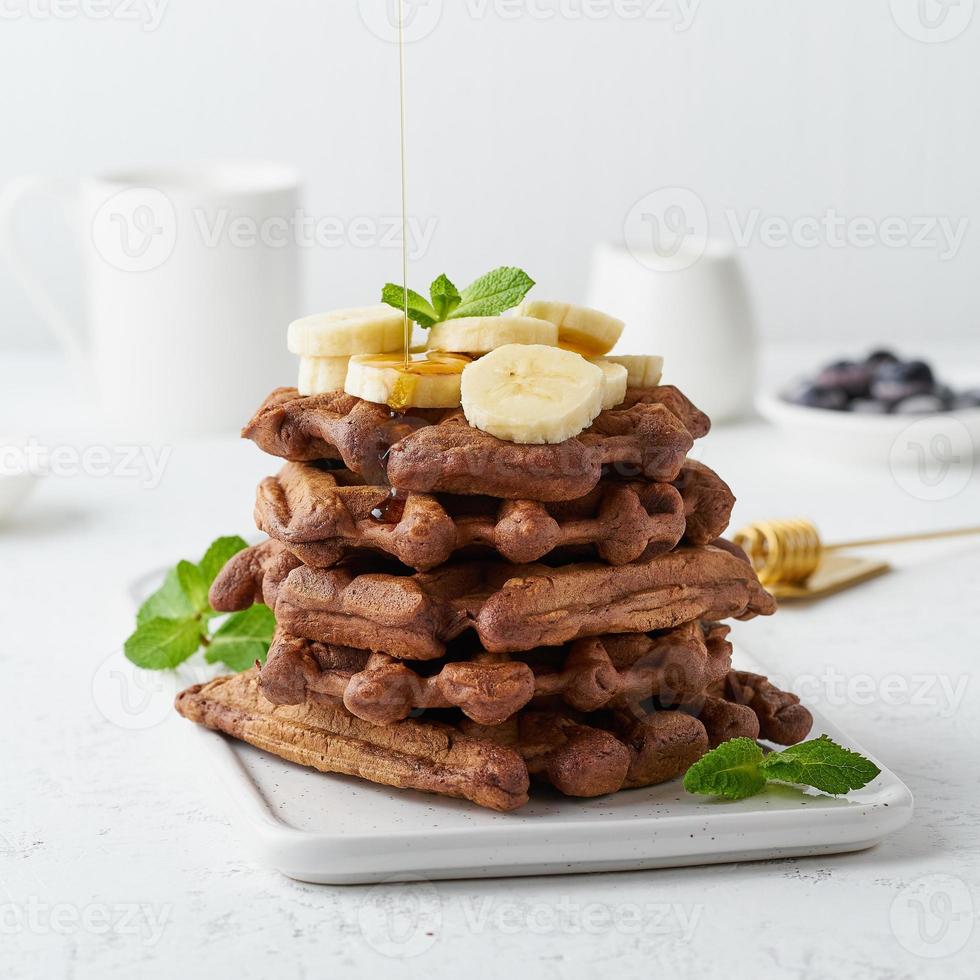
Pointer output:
458, 613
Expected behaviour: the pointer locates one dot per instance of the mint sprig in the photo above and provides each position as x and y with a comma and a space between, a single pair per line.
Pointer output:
738, 768
176, 620
494, 293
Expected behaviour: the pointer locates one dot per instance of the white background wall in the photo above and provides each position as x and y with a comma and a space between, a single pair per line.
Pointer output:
531, 136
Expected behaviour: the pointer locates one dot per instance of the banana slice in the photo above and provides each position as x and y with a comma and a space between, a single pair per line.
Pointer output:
321, 374
482, 334
531, 393
383, 378
615, 376
581, 329
643, 370
358, 330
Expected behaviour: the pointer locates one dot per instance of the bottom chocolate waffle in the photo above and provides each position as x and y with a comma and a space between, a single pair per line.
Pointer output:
580, 755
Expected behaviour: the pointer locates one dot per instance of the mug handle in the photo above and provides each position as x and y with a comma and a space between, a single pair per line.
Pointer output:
68, 334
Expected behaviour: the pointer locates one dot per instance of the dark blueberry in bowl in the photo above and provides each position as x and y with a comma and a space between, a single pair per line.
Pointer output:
815, 396
920, 405
966, 399
879, 357
851, 377
898, 380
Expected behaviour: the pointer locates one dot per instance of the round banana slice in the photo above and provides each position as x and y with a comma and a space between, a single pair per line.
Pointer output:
429, 383
581, 329
358, 330
643, 370
482, 334
531, 393
318, 375
615, 376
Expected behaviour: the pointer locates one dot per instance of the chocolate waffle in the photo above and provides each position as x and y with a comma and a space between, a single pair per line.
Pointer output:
579, 755
513, 608
436, 450
615, 671
322, 516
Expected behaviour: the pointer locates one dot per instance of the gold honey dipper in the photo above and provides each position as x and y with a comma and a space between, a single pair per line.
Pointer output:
793, 563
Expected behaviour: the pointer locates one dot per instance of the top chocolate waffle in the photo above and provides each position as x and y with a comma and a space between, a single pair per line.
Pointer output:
323, 516
512, 608
436, 450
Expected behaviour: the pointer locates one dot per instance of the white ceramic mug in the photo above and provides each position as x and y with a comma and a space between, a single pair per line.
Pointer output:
690, 307
191, 277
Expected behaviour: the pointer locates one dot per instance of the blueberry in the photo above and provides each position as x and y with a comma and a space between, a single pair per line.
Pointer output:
853, 378
815, 396
878, 357
868, 406
895, 381
920, 405
966, 399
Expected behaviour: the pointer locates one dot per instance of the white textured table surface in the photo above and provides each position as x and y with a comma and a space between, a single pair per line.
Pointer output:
115, 861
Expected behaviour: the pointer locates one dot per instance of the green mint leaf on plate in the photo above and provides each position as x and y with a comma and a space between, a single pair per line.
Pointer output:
493, 293
217, 556
445, 297
161, 644
822, 764
194, 586
731, 771
168, 602
419, 308
242, 638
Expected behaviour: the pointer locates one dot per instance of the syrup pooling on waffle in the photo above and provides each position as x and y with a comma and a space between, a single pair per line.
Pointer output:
676, 666
436, 450
512, 608
322, 516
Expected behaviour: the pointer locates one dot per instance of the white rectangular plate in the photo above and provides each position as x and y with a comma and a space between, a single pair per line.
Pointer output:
340, 830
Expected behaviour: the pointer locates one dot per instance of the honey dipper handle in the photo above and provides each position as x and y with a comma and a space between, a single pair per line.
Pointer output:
903, 538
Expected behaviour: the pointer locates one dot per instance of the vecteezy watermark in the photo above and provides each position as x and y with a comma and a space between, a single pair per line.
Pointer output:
933, 458
932, 917
144, 463
140, 920
679, 14
138, 229
136, 699
571, 918
932, 21
147, 13
939, 233
421, 18
832, 687
401, 919
667, 229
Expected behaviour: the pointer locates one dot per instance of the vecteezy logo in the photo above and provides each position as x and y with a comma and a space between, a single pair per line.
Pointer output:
932, 459
136, 229
402, 919
667, 230
933, 916
932, 21
381, 18
131, 698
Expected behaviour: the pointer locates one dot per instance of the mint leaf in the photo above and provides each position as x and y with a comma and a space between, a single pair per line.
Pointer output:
217, 555
159, 644
731, 770
822, 764
493, 293
419, 308
168, 602
445, 297
243, 638
194, 586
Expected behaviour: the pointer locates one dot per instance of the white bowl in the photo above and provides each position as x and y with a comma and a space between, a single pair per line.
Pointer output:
896, 440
